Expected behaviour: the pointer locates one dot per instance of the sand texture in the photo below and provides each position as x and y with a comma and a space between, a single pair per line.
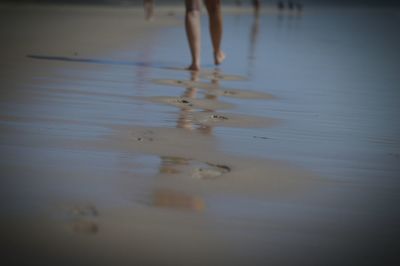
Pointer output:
113, 154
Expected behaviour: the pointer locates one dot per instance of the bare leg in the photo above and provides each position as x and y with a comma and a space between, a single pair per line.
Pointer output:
193, 31
215, 15
148, 9
256, 5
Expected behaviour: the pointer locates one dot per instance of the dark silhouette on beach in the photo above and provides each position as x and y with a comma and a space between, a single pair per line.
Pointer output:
148, 9
299, 6
256, 6
254, 32
281, 5
290, 5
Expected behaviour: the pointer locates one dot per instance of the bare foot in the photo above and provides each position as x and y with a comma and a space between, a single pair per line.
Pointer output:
193, 67
219, 57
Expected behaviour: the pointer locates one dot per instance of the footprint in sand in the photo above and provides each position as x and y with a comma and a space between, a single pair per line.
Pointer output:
219, 76
183, 102
231, 120
145, 136
83, 219
211, 74
211, 171
218, 117
193, 168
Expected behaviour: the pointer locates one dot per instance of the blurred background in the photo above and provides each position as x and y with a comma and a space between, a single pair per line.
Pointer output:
227, 2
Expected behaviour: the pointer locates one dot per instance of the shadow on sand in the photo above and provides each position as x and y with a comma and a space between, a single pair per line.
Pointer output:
97, 61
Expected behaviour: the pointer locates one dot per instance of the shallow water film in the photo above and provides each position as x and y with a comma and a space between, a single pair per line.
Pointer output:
113, 154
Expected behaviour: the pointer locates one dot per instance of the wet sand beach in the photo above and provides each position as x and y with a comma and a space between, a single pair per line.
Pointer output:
113, 154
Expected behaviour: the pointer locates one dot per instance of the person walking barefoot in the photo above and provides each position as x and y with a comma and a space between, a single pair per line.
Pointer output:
193, 30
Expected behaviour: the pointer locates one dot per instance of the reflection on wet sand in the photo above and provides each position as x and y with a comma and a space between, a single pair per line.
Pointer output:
171, 165
182, 101
206, 128
76, 130
254, 32
184, 119
213, 88
190, 168
167, 198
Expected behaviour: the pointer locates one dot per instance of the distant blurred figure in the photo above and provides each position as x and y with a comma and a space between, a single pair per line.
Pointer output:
299, 6
148, 9
256, 6
290, 5
193, 30
254, 32
280, 5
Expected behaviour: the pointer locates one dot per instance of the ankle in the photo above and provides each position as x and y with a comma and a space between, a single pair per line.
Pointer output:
194, 67
219, 56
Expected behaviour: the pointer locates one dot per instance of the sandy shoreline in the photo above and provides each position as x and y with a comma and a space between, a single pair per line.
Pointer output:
111, 155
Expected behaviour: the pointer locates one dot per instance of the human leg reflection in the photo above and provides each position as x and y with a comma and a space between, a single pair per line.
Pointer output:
169, 198
184, 118
254, 32
148, 9
208, 129
173, 165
